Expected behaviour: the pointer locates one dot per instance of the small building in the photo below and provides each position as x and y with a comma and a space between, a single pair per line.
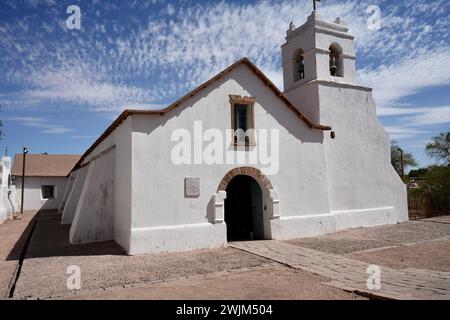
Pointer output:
46, 177
238, 159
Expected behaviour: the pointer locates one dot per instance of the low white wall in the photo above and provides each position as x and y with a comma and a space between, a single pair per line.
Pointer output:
3, 204
33, 194
8, 203
14, 201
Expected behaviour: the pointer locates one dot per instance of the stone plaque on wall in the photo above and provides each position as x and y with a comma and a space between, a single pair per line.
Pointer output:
191, 187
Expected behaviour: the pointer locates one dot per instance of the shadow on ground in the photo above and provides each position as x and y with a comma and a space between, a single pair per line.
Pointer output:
17, 249
51, 239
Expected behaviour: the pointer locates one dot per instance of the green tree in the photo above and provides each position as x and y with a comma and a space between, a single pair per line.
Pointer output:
418, 174
437, 180
408, 158
439, 148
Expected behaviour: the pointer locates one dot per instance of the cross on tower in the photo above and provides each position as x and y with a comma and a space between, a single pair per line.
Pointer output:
314, 4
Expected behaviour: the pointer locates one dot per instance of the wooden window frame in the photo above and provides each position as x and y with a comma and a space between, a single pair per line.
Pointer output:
250, 103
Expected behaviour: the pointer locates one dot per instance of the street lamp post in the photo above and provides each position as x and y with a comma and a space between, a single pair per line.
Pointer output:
24, 153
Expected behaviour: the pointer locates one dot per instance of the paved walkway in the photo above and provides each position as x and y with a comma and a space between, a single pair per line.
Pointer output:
351, 275
13, 236
442, 219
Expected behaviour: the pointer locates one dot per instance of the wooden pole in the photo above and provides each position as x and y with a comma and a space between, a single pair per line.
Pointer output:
24, 153
402, 164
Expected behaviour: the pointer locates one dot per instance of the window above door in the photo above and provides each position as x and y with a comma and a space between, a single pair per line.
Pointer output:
242, 120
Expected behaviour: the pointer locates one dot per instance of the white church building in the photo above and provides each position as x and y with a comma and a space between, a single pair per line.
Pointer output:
237, 159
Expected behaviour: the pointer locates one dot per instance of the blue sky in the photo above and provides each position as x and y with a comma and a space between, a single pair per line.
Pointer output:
60, 88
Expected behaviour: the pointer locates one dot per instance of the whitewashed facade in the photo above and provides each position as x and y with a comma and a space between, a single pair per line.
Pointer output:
34, 198
333, 170
46, 179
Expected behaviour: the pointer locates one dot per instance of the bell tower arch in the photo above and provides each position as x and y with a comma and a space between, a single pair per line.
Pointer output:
317, 51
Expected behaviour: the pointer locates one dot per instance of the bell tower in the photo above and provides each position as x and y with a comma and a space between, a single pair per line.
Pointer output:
316, 52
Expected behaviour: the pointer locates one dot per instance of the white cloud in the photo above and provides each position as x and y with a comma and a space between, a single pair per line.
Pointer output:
432, 116
407, 76
40, 123
170, 9
147, 106
403, 132
82, 137
57, 130
396, 111
74, 85
413, 122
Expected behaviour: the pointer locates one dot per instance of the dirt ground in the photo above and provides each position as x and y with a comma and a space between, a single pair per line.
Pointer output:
271, 283
220, 273
103, 265
433, 255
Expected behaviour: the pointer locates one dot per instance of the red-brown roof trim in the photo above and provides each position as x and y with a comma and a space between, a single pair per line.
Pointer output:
161, 112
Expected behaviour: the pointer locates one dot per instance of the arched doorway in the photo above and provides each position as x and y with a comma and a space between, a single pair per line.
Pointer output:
244, 212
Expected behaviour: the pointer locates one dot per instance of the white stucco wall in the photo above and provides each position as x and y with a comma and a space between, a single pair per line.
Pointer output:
94, 216
67, 192
74, 195
33, 195
123, 188
359, 166
158, 198
323, 184
116, 148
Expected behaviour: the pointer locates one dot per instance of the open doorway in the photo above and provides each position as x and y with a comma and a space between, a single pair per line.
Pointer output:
244, 214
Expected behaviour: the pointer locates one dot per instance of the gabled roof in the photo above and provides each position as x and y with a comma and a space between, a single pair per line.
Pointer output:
244, 61
45, 165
